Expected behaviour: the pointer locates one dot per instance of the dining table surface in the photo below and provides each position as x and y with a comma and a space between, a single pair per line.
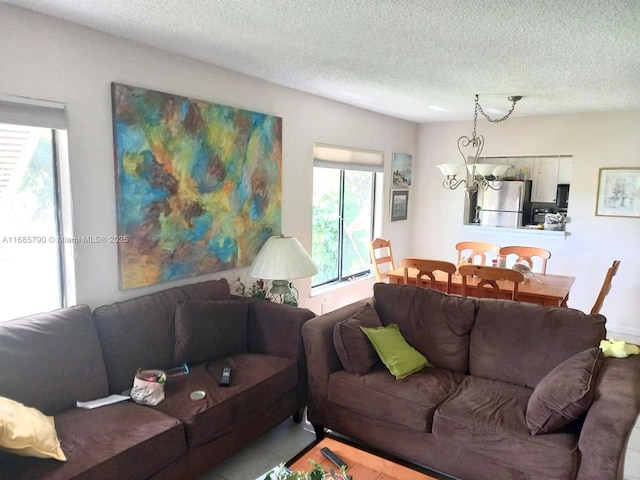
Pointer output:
542, 289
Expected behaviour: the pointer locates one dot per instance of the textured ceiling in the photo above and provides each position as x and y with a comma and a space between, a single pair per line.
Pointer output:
420, 60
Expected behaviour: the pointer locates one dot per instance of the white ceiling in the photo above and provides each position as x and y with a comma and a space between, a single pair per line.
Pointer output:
420, 60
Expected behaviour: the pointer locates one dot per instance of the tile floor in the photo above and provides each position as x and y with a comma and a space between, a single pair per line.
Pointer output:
288, 438
276, 446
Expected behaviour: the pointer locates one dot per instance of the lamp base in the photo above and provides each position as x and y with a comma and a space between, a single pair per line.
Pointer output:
281, 292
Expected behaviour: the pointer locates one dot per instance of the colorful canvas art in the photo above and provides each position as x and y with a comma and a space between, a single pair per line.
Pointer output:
198, 185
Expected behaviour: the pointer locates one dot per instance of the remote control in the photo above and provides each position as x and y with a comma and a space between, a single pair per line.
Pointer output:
225, 380
337, 461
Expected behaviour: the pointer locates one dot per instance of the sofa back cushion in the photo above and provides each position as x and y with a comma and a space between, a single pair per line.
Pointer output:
51, 360
140, 333
137, 333
520, 343
210, 290
434, 323
206, 330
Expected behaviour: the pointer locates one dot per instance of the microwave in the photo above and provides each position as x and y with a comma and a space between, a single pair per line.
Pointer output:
562, 195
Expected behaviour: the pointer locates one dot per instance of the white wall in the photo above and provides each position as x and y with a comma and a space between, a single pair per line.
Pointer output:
595, 140
45, 58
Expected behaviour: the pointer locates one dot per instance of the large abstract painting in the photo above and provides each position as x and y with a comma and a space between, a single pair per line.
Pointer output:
198, 185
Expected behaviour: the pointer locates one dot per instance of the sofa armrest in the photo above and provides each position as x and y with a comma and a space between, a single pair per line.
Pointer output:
610, 420
322, 358
275, 329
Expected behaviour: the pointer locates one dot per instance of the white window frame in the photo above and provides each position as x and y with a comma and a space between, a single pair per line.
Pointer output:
350, 159
51, 115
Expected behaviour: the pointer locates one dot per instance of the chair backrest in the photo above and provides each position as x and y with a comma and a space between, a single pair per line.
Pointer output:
381, 256
526, 254
490, 276
606, 286
478, 249
425, 277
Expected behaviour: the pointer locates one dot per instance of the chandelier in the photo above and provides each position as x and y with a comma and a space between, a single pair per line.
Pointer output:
472, 174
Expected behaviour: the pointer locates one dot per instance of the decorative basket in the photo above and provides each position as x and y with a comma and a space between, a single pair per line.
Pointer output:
553, 221
554, 226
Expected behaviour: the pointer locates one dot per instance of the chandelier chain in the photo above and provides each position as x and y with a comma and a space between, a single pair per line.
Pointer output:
495, 120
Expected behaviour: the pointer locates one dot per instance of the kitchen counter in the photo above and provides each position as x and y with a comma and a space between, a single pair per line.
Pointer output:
520, 230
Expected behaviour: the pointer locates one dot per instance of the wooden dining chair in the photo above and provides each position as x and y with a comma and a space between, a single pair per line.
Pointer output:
477, 249
606, 286
382, 258
425, 277
490, 276
527, 254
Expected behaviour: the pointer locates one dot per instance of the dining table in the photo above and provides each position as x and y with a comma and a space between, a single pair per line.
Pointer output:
543, 289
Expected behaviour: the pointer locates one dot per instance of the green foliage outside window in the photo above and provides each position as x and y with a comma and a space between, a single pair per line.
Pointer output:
356, 206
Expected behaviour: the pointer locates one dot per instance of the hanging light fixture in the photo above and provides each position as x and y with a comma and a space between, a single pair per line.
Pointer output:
472, 174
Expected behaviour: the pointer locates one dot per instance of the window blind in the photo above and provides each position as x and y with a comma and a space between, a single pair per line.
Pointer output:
32, 112
329, 156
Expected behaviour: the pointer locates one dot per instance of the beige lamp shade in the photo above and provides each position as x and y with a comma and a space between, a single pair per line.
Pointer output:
282, 258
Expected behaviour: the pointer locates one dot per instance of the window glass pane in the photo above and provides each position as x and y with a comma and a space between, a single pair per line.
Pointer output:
326, 223
30, 277
358, 221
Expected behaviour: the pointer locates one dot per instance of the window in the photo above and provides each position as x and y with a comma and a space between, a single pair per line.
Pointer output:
344, 213
32, 250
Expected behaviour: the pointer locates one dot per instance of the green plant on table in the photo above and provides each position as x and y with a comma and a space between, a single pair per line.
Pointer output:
316, 473
258, 289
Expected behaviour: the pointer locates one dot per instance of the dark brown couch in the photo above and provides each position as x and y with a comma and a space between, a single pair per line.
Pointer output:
49, 361
467, 416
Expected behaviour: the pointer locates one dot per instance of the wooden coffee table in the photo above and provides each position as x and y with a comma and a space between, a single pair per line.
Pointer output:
361, 465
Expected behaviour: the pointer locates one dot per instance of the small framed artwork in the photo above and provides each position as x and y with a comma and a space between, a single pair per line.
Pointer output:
401, 169
399, 204
618, 192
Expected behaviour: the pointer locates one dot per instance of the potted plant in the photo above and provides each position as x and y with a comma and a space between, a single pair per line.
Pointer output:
316, 473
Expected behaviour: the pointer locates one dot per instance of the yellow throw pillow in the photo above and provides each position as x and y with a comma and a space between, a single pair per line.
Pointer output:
27, 432
618, 348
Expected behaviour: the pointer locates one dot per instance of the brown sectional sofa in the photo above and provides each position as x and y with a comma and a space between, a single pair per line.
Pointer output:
468, 415
51, 360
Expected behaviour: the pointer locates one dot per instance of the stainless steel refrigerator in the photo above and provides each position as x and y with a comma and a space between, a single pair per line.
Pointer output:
506, 207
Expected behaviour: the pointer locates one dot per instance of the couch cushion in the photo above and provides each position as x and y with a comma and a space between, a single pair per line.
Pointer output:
209, 329
210, 290
57, 352
27, 432
565, 393
434, 323
137, 333
353, 347
257, 383
488, 417
410, 402
124, 440
398, 356
520, 343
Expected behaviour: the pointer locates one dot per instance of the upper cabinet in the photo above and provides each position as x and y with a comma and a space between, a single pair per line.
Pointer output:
566, 167
545, 172
545, 179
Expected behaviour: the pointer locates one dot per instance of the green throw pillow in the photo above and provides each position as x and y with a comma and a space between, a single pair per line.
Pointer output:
400, 358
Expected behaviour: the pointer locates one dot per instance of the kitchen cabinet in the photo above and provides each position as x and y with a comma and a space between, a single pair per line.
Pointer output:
566, 166
545, 172
545, 179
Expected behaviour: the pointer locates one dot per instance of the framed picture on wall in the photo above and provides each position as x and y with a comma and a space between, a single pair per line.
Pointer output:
618, 192
399, 204
401, 169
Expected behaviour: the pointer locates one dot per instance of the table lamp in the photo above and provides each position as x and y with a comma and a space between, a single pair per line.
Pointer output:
281, 259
